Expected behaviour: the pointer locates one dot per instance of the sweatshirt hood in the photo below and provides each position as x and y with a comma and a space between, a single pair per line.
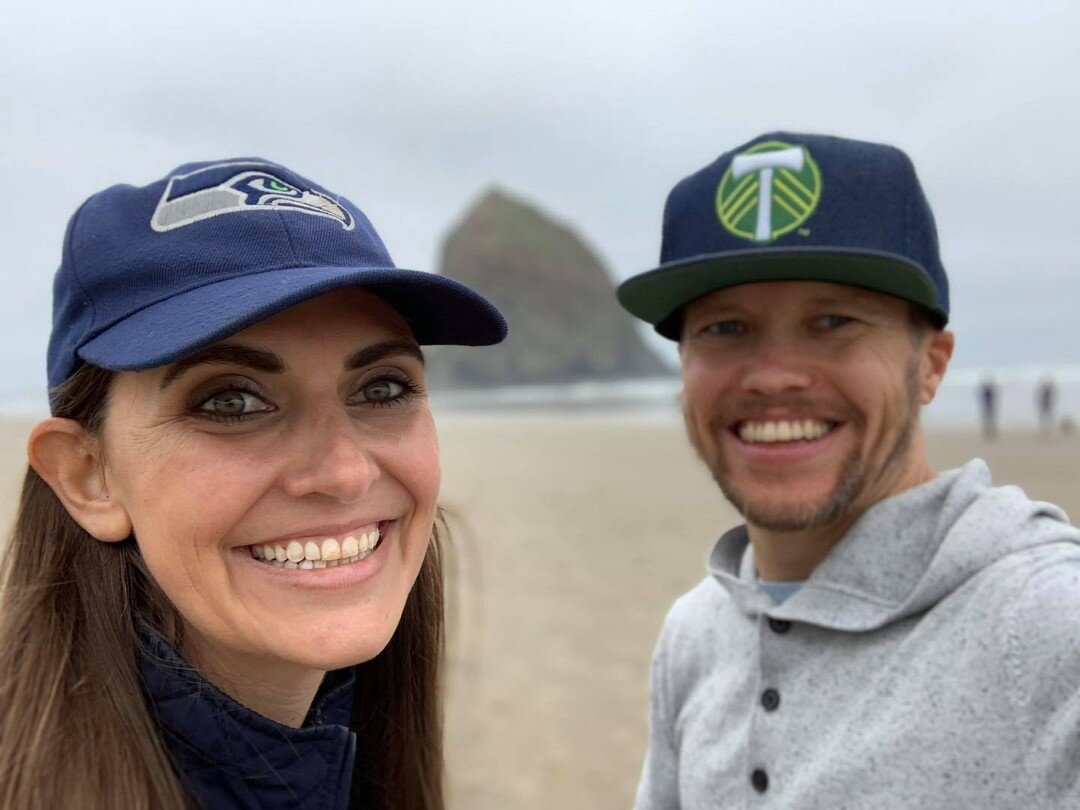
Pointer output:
904, 554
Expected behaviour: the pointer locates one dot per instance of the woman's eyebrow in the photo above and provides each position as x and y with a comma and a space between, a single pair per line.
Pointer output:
269, 362
230, 353
378, 351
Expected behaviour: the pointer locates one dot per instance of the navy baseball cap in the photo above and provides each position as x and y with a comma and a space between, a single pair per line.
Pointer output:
791, 207
151, 274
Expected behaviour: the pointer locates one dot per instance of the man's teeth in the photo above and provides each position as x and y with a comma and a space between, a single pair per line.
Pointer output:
783, 431
327, 554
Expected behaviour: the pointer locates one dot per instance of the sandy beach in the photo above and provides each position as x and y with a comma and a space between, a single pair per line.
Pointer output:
572, 536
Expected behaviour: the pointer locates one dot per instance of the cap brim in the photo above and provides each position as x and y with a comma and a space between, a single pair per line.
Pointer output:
439, 310
658, 296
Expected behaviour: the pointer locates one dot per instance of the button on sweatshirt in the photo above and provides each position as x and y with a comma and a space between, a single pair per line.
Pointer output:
932, 660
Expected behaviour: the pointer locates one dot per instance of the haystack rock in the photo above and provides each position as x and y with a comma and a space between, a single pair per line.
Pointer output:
565, 324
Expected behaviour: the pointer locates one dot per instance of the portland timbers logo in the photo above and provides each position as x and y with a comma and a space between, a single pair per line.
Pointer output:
768, 190
227, 188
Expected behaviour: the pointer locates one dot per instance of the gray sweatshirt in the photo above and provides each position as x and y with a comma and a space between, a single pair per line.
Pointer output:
932, 660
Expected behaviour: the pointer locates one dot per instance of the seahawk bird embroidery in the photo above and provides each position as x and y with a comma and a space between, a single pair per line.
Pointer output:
189, 199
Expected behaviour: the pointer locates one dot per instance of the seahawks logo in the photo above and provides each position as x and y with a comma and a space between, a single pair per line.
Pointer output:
225, 189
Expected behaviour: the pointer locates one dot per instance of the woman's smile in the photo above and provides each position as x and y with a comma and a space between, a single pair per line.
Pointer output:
321, 562
318, 550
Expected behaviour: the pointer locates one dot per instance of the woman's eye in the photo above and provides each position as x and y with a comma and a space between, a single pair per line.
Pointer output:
232, 403
382, 391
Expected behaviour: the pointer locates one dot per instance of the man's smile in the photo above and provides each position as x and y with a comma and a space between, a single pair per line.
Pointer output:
761, 431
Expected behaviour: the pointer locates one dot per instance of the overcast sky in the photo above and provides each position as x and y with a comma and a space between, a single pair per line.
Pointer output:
592, 110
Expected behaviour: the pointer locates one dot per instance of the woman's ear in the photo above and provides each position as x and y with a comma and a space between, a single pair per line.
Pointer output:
69, 460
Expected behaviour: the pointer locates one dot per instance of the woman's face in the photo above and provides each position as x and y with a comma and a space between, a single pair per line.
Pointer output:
306, 436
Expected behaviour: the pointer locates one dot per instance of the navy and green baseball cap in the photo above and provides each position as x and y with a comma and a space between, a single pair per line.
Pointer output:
791, 207
150, 274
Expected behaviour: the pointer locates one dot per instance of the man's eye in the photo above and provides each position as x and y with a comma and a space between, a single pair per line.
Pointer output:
834, 321
232, 403
724, 328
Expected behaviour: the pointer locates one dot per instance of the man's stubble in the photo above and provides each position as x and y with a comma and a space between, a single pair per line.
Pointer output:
854, 478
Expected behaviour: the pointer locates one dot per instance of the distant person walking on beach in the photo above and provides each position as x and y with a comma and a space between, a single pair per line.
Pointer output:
988, 395
876, 634
1045, 404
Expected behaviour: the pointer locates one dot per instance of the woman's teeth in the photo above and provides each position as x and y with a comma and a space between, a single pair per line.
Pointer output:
327, 554
783, 431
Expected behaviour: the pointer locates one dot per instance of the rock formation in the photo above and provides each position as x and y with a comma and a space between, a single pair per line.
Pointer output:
565, 324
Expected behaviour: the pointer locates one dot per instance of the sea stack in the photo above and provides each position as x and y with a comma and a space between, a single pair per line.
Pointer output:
565, 324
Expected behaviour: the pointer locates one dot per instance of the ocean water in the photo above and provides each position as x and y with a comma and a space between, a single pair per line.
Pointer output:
26, 404
957, 402
956, 405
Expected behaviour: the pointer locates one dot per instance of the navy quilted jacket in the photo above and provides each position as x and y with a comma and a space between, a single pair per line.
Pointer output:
229, 757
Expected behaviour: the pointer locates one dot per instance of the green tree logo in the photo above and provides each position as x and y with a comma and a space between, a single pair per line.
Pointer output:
768, 190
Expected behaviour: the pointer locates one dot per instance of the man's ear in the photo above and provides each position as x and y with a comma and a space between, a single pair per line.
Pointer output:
69, 460
937, 350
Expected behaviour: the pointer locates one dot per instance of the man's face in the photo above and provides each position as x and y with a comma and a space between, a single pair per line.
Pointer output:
803, 397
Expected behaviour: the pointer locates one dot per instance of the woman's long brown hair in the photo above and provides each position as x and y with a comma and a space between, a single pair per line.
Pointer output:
75, 728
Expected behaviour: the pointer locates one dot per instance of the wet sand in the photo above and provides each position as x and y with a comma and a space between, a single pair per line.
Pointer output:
572, 536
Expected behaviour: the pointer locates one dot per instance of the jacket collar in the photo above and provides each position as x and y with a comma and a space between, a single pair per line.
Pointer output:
228, 755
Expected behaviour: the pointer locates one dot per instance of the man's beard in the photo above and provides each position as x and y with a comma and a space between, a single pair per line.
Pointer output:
854, 479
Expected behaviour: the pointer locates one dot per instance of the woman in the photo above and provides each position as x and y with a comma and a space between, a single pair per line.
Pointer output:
224, 587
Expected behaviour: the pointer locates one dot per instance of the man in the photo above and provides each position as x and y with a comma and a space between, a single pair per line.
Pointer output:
1045, 403
877, 635
988, 397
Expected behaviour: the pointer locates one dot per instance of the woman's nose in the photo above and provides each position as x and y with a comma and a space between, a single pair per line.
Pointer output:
331, 459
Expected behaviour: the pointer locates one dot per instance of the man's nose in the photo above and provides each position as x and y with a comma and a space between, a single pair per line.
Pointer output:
775, 367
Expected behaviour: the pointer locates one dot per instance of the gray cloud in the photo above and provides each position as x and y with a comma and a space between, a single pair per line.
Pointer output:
591, 109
